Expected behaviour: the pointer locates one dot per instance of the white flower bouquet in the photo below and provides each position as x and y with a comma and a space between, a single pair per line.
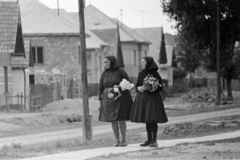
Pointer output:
126, 85
114, 93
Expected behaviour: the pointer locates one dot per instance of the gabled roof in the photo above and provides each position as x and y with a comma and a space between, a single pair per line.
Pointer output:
11, 40
93, 42
132, 32
39, 19
97, 20
23, 62
154, 35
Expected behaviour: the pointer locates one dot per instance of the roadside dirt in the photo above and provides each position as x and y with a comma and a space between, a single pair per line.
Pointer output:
57, 113
207, 150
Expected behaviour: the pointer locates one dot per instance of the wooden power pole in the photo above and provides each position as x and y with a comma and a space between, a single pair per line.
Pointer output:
87, 121
218, 58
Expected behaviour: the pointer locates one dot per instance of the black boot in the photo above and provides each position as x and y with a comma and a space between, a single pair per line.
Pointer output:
146, 143
153, 144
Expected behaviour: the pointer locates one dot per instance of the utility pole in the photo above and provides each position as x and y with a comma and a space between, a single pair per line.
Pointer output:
142, 19
218, 58
58, 7
87, 119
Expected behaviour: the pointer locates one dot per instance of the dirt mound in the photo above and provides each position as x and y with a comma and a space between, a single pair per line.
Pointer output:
70, 106
178, 130
43, 120
8, 127
59, 112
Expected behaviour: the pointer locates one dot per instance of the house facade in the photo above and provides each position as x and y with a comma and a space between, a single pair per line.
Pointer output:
134, 46
55, 43
155, 36
13, 61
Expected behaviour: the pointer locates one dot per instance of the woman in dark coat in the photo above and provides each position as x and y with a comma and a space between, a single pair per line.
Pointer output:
114, 111
148, 106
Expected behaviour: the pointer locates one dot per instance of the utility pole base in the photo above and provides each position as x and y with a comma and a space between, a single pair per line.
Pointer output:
87, 133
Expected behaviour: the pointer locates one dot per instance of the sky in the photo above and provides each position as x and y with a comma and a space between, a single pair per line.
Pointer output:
133, 13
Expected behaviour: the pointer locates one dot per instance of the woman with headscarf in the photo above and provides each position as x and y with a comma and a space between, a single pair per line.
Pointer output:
111, 110
148, 106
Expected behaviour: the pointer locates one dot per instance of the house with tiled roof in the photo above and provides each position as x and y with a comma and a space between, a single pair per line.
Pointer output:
13, 57
134, 46
55, 42
155, 36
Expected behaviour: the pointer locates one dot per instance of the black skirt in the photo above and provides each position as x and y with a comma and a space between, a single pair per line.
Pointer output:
116, 110
148, 107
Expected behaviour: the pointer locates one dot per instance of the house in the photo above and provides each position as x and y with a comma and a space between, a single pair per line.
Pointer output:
155, 35
13, 61
134, 46
55, 43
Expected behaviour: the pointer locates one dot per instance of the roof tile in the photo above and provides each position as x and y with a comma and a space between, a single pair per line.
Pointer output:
39, 19
9, 13
97, 20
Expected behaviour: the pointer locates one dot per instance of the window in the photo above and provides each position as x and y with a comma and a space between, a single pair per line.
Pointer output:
37, 54
31, 79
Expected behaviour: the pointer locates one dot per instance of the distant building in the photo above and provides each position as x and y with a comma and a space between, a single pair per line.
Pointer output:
154, 35
55, 43
13, 58
134, 46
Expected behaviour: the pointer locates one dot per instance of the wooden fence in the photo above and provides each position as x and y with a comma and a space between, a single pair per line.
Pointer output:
46, 92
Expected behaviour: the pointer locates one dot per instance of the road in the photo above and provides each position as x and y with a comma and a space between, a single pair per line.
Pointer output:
77, 133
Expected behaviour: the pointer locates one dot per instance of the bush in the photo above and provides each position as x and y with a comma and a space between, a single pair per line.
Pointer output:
179, 74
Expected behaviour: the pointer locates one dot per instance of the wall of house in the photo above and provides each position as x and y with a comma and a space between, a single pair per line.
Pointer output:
60, 53
2, 85
17, 83
164, 72
95, 64
167, 74
132, 54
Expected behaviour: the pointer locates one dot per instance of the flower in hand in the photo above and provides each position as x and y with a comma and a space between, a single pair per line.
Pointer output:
114, 93
150, 83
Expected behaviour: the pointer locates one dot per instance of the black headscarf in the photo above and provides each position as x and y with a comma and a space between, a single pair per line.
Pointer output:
151, 65
113, 62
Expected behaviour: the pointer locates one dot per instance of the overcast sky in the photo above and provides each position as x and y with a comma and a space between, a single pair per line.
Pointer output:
135, 13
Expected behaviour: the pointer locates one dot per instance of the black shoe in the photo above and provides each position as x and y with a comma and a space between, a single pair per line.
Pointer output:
153, 144
146, 143
117, 144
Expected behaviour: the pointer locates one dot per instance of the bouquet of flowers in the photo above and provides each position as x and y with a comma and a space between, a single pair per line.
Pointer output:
114, 93
126, 85
150, 83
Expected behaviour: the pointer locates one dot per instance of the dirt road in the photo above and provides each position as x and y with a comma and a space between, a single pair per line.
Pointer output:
77, 133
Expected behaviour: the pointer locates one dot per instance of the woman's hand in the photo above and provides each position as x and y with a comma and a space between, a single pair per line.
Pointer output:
100, 106
140, 89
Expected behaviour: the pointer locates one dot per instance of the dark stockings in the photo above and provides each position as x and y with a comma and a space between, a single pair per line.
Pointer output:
152, 129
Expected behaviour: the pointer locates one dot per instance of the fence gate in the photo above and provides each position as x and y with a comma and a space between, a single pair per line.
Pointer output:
46, 91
